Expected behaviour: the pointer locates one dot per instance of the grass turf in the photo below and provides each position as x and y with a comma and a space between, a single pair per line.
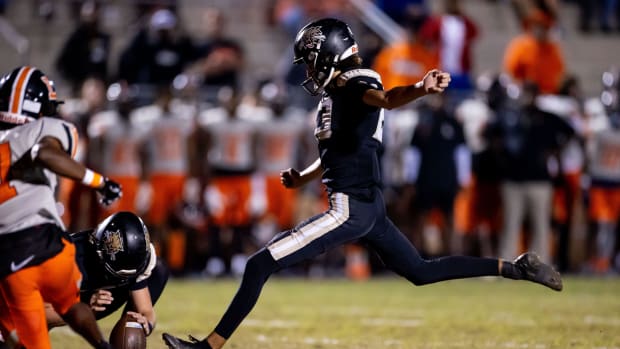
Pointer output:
391, 313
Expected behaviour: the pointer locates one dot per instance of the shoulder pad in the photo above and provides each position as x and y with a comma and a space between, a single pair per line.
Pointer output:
348, 75
62, 130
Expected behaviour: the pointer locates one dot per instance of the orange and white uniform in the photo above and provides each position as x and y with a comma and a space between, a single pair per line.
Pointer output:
119, 145
36, 263
229, 196
166, 161
278, 148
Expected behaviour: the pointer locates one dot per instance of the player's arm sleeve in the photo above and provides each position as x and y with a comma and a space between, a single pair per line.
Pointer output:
63, 131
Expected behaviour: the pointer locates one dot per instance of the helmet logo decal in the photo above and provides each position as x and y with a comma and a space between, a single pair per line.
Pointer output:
113, 243
51, 93
313, 37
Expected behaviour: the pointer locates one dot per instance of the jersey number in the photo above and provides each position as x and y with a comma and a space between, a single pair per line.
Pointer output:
378, 135
6, 190
323, 128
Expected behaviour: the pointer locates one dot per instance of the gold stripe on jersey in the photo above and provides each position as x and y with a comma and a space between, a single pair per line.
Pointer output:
346, 76
19, 88
300, 238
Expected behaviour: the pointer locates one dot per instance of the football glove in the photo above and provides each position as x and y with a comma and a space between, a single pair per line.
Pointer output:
110, 192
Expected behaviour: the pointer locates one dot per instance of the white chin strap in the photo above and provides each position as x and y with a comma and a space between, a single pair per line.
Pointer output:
329, 78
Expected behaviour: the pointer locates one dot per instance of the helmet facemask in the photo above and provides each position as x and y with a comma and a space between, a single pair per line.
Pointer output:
318, 75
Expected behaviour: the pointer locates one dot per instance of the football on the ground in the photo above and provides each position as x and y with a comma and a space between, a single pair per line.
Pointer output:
127, 334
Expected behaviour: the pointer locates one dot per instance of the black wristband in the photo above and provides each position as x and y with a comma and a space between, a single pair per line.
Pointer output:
151, 327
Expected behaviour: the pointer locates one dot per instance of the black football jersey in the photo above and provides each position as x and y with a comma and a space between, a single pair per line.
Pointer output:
350, 133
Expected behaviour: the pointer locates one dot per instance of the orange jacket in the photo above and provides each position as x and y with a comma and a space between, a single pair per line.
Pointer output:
527, 59
404, 63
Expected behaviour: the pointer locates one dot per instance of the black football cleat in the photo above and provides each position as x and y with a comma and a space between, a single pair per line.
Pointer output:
176, 343
535, 270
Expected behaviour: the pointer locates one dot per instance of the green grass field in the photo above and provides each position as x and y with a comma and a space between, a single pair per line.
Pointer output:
390, 313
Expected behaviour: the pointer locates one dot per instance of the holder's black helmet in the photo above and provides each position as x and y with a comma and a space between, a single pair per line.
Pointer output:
26, 94
322, 45
123, 245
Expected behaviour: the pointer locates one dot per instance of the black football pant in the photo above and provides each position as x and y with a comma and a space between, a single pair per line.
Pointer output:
122, 295
347, 220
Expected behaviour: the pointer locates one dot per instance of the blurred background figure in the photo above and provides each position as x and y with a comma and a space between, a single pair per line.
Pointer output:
535, 57
532, 138
478, 203
524, 9
438, 149
220, 57
279, 144
228, 150
79, 204
159, 52
406, 62
568, 104
453, 32
604, 13
116, 144
86, 52
166, 158
604, 171
402, 11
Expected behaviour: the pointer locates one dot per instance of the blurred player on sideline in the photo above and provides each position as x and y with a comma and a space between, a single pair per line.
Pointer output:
278, 146
119, 267
166, 166
37, 262
116, 146
604, 172
349, 132
229, 194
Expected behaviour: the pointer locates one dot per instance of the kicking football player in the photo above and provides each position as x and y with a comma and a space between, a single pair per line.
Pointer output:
349, 133
37, 263
119, 266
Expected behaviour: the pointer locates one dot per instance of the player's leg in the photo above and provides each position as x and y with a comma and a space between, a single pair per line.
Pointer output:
23, 293
401, 256
25, 319
59, 285
346, 220
342, 223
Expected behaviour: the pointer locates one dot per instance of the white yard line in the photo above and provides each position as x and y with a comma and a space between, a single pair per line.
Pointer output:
391, 322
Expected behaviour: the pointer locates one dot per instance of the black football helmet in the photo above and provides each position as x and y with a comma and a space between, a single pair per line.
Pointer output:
322, 45
26, 94
123, 245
